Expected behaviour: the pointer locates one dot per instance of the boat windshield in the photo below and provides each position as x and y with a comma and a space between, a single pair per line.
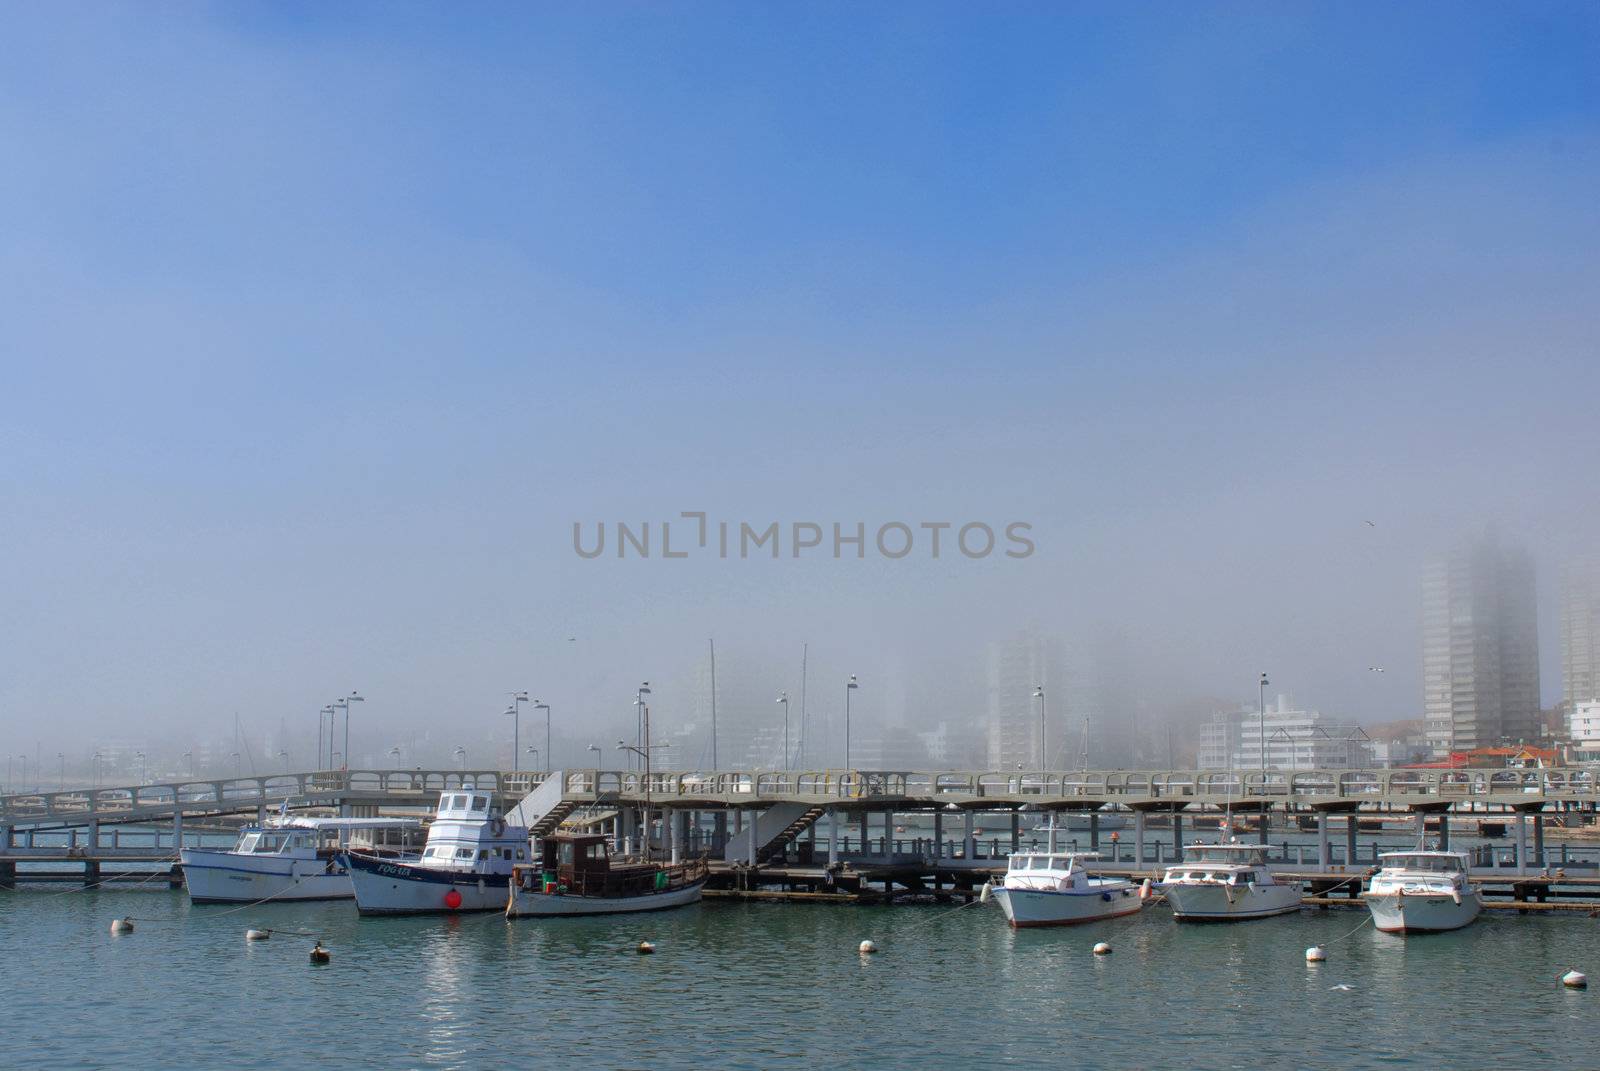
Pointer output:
1437, 864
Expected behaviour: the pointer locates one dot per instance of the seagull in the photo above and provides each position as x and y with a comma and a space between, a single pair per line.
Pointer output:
1374, 669
1370, 524
1341, 988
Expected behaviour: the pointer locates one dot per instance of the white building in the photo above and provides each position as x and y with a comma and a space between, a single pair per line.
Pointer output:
1016, 668
1295, 740
1580, 630
1584, 727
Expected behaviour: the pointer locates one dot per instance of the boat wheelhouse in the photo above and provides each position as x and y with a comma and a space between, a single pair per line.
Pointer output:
1226, 883
576, 874
292, 858
465, 866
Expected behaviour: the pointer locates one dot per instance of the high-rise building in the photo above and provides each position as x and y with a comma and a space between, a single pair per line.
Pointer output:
1480, 647
1580, 630
1295, 740
1017, 667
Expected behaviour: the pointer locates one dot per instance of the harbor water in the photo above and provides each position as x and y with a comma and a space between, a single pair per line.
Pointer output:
756, 985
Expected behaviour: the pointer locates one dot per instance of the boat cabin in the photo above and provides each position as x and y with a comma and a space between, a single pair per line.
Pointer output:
1042, 861
324, 838
1427, 862
469, 834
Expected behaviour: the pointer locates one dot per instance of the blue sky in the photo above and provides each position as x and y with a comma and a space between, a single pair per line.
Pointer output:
321, 326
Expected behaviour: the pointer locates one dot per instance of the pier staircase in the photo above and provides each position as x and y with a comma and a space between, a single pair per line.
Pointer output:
542, 810
775, 827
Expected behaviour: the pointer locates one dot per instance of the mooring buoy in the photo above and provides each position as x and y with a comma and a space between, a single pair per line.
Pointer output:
122, 925
645, 948
1102, 949
320, 954
257, 935
1316, 954
867, 947
1575, 979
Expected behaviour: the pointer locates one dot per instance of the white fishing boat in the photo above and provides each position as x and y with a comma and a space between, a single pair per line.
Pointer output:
466, 865
1226, 883
1053, 889
1422, 892
291, 858
577, 875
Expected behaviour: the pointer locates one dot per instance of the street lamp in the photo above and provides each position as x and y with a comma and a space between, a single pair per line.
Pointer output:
344, 704
234, 756
284, 755
461, 753
784, 699
190, 756
530, 749
394, 753
1038, 693
97, 761
540, 704
848, 688
515, 710
1263, 699
137, 754
598, 755
329, 711
643, 751
62, 759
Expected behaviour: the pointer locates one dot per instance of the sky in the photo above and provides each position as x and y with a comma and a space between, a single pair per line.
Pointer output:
321, 326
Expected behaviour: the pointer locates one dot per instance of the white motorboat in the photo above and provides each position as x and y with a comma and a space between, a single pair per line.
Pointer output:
1422, 892
1226, 883
1053, 889
291, 858
577, 875
466, 865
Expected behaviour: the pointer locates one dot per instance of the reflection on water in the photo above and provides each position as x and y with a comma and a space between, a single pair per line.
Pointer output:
745, 986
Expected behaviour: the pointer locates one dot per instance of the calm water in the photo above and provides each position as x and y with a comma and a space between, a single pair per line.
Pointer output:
745, 986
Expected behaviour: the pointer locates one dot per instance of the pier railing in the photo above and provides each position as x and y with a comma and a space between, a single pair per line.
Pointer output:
1499, 788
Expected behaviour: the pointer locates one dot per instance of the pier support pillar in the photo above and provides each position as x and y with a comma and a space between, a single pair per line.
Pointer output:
1522, 842
1264, 825
8, 875
1177, 836
1444, 831
719, 830
1094, 831
669, 833
1138, 838
1422, 827
1324, 853
888, 834
177, 832
1538, 840
833, 837
1352, 829
1016, 831
865, 838
8, 841
751, 829
938, 835
91, 871
970, 844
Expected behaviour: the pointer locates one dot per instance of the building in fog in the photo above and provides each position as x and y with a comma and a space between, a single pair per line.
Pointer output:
1580, 631
1016, 667
1295, 740
1583, 728
1480, 647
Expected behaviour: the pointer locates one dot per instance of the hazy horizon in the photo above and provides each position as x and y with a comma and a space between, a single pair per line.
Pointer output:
325, 326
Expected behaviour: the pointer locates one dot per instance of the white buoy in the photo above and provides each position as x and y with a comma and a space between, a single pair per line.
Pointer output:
867, 948
1575, 979
1102, 949
645, 948
983, 893
257, 935
320, 954
1316, 954
122, 925
1144, 889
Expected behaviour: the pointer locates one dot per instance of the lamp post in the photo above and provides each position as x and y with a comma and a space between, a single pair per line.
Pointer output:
1038, 693
848, 688
284, 755
345, 705
530, 749
784, 699
394, 753
62, 780
515, 710
137, 754
97, 762
643, 751
461, 754
598, 754
234, 756
329, 711
539, 704
1263, 725
190, 756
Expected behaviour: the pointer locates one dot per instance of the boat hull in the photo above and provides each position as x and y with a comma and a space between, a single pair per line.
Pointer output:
1212, 903
1025, 908
213, 877
1423, 912
529, 904
383, 887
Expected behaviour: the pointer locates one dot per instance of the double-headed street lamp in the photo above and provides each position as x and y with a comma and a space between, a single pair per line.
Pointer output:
515, 710
461, 753
539, 704
344, 704
1038, 693
328, 710
1263, 699
643, 751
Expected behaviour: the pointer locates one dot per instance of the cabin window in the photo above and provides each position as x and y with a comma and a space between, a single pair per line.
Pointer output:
565, 853
505, 853
463, 853
520, 855
480, 803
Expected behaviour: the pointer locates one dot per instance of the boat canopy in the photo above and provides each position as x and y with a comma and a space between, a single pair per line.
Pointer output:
1442, 862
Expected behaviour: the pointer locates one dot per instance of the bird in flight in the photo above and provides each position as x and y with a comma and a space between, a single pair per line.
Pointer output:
1374, 669
1371, 524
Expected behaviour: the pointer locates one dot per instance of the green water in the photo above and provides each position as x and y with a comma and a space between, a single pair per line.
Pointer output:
758, 986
